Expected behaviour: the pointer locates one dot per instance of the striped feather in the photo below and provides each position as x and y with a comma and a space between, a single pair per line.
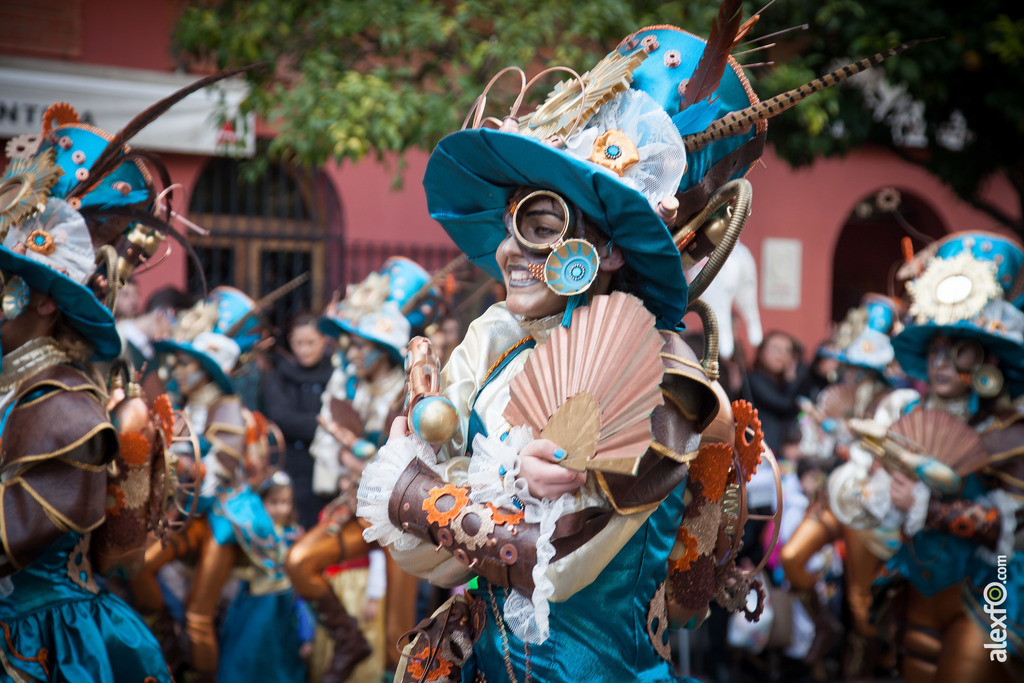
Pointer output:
739, 121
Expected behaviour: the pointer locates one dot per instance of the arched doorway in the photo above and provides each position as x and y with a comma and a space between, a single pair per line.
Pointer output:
869, 246
264, 232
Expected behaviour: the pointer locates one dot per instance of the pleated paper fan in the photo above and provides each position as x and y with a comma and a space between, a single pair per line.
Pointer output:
838, 401
944, 437
591, 387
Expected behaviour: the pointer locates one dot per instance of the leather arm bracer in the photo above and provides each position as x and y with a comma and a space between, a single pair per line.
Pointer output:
965, 519
492, 542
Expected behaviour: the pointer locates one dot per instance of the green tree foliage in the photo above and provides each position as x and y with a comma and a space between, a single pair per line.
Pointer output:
354, 77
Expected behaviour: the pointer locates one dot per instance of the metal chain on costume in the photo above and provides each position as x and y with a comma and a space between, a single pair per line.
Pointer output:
506, 651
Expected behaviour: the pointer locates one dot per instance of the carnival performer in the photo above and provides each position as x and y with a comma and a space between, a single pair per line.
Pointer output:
60, 492
267, 633
570, 207
964, 338
231, 523
363, 392
865, 357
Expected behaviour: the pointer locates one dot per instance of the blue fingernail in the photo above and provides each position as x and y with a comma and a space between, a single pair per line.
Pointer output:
559, 453
502, 470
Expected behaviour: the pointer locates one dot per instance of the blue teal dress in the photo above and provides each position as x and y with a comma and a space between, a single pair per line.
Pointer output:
56, 628
600, 633
263, 629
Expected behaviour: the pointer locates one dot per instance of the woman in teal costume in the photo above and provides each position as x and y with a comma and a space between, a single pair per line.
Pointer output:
968, 345
240, 528
586, 600
57, 442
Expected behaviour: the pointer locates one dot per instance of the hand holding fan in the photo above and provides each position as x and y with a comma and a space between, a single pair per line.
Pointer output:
591, 388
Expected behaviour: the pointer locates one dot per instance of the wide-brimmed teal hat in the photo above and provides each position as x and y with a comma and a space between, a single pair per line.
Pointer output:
385, 326
872, 347
472, 173
216, 353
960, 295
52, 252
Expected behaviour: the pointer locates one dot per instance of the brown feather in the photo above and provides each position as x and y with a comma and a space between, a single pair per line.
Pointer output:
739, 121
712, 62
110, 158
744, 30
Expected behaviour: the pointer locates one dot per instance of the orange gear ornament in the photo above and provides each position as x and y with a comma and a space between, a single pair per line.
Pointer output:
59, 114
711, 469
689, 556
134, 448
500, 517
445, 517
749, 437
165, 412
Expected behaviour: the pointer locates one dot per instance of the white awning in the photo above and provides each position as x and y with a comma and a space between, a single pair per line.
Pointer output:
206, 122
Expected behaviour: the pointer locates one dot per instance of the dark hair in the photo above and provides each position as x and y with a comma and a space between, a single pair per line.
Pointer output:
169, 297
794, 345
300, 319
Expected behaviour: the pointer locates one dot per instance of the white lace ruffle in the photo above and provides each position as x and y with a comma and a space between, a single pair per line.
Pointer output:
377, 483
918, 511
644, 121
492, 478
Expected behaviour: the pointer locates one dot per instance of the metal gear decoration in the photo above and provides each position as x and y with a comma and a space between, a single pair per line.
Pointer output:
953, 289
25, 188
460, 499
59, 114
485, 527
23, 146
557, 116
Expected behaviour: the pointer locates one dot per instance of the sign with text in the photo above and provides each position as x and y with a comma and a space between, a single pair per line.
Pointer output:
781, 261
206, 122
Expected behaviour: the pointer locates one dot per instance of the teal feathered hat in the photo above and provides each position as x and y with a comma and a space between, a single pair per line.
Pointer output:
198, 335
78, 213
663, 121
962, 294
872, 346
371, 311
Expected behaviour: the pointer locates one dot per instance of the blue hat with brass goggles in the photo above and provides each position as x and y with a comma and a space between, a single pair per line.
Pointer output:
960, 294
640, 144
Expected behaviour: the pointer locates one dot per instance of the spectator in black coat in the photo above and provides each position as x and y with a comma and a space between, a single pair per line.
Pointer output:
291, 397
775, 382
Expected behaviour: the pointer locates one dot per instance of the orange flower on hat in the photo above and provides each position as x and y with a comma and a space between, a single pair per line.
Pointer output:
445, 517
749, 437
711, 468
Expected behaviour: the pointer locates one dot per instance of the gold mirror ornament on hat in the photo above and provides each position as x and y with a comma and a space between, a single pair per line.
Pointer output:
953, 289
25, 188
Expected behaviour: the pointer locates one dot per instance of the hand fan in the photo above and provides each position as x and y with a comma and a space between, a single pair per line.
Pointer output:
591, 387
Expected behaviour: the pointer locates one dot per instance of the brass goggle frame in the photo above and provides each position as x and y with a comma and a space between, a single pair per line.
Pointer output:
541, 246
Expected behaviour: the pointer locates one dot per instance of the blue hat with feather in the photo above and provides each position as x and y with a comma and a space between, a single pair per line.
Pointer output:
663, 121
962, 293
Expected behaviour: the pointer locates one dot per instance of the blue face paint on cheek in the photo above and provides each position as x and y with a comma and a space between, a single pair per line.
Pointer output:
370, 358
